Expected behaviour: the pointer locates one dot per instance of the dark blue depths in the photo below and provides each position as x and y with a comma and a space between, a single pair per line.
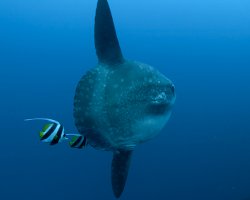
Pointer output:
203, 153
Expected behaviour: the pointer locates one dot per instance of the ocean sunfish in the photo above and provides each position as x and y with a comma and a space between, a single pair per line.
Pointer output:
120, 103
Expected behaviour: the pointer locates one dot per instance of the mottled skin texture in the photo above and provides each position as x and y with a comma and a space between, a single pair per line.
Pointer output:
112, 105
119, 103
118, 107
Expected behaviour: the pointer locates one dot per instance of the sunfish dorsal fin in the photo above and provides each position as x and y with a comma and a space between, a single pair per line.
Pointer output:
106, 42
120, 167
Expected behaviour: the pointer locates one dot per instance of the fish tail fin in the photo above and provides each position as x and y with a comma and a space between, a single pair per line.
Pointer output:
120, 167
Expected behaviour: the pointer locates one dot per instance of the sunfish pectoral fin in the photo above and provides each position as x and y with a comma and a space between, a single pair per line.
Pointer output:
106, 42
120, 167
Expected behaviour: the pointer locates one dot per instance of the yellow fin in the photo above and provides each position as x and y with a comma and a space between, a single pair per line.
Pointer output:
46, 126
73, 140
41, 134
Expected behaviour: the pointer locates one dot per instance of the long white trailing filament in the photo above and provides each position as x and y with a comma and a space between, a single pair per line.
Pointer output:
44, 119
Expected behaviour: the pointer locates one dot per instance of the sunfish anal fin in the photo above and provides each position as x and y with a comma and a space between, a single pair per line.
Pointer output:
106, 42
120, 167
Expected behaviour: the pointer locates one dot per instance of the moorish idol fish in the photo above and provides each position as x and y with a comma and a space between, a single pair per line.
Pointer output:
53, 133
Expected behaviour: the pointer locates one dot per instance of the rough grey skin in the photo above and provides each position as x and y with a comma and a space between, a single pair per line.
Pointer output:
120, 104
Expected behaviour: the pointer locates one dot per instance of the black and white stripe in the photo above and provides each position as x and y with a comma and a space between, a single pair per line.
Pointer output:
80, 142
54, 133
59, 135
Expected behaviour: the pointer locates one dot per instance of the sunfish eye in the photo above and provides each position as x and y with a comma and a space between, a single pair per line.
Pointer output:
172, 88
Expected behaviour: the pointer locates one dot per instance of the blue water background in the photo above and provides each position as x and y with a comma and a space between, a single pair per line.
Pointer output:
203, 153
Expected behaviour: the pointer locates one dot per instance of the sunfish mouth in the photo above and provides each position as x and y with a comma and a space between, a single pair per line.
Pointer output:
163, 101
160, 99
164, 97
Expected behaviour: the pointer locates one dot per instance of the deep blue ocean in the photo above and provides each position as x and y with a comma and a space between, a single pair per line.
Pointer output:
203, 153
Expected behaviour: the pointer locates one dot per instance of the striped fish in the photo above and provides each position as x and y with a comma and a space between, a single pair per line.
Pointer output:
53, 133
78, 141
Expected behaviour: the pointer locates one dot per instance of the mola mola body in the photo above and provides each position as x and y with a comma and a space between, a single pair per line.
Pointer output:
119, 103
